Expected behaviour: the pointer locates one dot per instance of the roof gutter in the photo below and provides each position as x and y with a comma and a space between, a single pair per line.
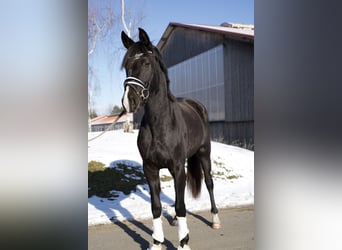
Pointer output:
172, 26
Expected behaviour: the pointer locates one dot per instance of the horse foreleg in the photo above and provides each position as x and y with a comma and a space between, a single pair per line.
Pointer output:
183, 231
154, 185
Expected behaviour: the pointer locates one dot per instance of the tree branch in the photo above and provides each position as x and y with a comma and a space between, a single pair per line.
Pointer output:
128, 30
97, 30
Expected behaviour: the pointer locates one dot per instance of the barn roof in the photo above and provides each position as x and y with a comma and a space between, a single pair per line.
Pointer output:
234, 31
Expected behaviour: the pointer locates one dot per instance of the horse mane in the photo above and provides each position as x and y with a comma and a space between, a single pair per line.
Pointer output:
163, 68
138, 47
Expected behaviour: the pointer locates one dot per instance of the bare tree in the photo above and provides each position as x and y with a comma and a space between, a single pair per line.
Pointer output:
100, 24
133, 20
123, 20
103, 23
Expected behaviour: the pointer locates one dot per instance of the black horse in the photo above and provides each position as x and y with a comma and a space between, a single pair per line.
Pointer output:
172, 131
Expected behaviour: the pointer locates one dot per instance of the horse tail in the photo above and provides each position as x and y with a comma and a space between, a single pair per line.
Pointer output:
194, 176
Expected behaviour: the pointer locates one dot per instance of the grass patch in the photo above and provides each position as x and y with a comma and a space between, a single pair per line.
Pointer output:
166, 178
218, 163
218, 173
226, 173
103, 182
222, 175
232, 177
94, 166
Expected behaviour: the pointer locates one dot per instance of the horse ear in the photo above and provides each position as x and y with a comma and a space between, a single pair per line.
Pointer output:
127, 42
143, 37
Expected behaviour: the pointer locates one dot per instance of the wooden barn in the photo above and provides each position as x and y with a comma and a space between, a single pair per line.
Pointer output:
215, 65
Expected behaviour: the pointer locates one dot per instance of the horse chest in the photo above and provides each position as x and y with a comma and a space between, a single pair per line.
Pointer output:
162, 153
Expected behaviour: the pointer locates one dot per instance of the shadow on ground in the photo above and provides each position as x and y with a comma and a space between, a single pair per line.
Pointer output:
124, 176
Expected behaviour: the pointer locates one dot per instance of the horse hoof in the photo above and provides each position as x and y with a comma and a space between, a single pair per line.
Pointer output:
216, 222
185, 247
216, 225
155, 247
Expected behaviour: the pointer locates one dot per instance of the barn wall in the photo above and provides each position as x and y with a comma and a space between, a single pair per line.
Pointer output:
202, 78
239, 80
236, 133
238, 66
186, 43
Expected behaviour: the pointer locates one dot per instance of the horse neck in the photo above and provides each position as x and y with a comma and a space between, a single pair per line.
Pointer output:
158, 106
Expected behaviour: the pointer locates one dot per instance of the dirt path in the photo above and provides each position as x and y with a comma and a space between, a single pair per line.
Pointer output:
237, 232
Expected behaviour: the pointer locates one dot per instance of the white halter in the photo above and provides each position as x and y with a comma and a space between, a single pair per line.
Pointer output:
144, 94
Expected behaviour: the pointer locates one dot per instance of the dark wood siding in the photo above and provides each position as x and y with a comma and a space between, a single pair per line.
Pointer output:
238, 133
186, 43
239, 80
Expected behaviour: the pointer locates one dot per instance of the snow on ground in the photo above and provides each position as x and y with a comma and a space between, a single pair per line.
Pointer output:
232, 169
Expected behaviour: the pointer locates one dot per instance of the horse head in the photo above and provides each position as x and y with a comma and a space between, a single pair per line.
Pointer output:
139, 66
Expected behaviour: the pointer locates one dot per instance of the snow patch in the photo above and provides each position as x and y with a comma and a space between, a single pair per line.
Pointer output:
232, 170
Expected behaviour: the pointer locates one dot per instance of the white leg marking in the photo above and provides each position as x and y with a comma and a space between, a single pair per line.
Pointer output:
125, 99
158, 233
216, 221
182, 228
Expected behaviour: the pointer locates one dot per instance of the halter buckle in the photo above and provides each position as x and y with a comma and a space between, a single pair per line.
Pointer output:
145, 93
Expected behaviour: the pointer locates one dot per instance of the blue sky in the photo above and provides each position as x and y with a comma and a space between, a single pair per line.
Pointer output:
157, 16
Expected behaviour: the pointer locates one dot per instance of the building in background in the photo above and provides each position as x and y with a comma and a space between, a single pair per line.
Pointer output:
214, 65
101, 123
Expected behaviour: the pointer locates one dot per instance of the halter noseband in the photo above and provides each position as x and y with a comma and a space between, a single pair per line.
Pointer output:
144, 93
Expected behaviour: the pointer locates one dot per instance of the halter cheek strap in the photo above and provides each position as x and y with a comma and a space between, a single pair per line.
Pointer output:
144, 94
